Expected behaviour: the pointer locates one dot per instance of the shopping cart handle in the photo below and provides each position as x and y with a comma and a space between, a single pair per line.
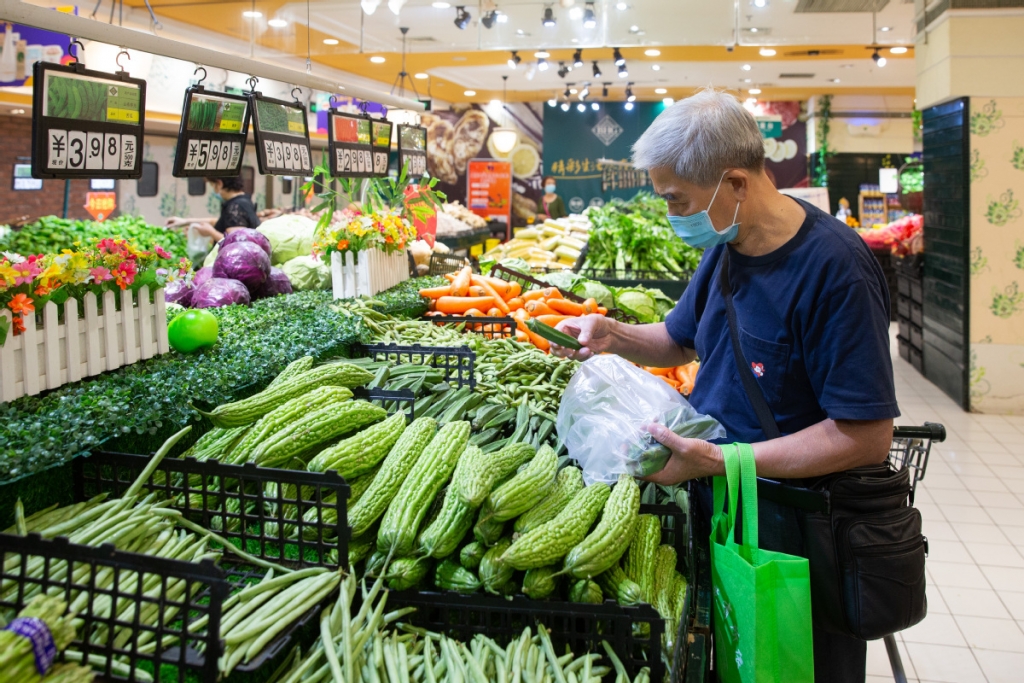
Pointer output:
930, 430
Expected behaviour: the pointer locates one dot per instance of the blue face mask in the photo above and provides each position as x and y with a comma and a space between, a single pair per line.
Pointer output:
699, 232
550, 189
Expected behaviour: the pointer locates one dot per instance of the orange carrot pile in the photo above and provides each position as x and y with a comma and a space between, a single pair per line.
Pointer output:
478, 296
680, 378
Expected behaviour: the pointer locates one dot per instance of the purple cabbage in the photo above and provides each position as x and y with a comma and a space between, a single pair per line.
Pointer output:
201, 276
276, 283
217, 292
247, 235
179, 292
242, 261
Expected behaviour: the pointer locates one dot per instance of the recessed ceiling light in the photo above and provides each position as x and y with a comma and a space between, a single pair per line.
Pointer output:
573, 91
652, 52
668, 101
422, 76
330, 41
753, 29
655, 67
621, 6
552, 102
520, 32
748, 80
745, 67
634, 29
897, 50
250, 14
754, 91
835, 80
660, 91
574, 40
885, 29
581, 107
760, 4
595, 106
277, 23
542, 54
469, 93
377, 59
767, 52
441, 5
495, 103
576, 13
17, 111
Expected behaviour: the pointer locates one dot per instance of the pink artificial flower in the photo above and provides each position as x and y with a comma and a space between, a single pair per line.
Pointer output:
161, 252
100, 274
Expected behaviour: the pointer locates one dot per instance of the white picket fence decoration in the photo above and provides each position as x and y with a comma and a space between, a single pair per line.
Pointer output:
83, 345
375, 272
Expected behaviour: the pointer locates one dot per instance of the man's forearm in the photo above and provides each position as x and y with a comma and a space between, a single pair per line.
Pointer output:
826, 447
649, 345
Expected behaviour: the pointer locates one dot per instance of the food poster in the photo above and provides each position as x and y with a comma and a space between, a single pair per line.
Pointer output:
996, 255
489, 189
786, 152
23, 46
458, 135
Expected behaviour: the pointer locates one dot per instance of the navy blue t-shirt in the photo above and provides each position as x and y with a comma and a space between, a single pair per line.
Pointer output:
814, 326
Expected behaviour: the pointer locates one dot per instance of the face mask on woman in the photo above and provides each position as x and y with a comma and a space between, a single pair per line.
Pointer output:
550, 189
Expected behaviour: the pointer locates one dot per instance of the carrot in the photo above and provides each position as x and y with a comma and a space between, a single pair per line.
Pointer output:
553, 293
514, 290
660, 372
539, 308
671, 382
494, 313
502, 287
566, 307
431, 314
475, 290
521, 335
450, 277
436, 292
474, 313
538, 341
533, 295
601, 310
590, 306
458, 305
461, 283
515, 304
521, 316
680, 373
483, 284
552, 320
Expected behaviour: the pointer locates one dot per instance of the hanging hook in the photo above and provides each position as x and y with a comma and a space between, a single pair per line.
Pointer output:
252, 81
333, 102
78, 51
296, 97
198, 69
384, 111
122, 53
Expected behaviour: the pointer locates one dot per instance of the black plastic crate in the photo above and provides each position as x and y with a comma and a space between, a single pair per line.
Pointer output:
392, 401
71, 570
492, 328
458, 363
529, 283
262, 508
443, 264
652, 279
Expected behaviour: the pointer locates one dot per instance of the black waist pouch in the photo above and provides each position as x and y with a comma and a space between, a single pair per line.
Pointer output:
867, 555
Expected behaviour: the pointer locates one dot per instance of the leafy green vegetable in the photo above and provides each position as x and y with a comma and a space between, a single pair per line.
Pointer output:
589, 289
516, 264
565, 280
639, 302
662, 302
51, 235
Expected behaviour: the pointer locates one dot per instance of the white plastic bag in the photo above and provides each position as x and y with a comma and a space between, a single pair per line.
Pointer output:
197, 245
604, 413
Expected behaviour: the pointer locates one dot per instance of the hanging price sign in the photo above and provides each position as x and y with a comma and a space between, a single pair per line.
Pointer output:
412, 149
86, 124
349, 146
282, 136
211, 140
381, 147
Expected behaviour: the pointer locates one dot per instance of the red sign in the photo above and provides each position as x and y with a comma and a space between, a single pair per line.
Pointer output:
489, 189
100, 204
425, 230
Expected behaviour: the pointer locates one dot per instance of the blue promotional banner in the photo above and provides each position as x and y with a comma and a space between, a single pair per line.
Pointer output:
23, 46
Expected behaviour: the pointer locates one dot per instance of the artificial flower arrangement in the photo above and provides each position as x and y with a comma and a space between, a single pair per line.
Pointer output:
29, 282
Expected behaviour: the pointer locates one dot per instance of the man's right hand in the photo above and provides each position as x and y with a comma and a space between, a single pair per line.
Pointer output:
594, 332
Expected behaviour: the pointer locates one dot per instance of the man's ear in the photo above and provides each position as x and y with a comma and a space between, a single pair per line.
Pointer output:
739, 180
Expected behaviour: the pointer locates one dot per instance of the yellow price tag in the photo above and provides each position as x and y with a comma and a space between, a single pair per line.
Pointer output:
476, 250
492, 243
296, 127
230, 125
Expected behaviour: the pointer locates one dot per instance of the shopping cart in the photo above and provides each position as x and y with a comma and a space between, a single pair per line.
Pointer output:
910, 449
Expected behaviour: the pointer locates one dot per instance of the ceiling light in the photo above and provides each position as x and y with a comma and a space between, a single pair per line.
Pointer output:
589, 18
660, 91
898, 50
422, 76
469, 93
505, 139
576, 13
552, 102
570, 91
619, 59
634, 29
542, 65
749, 103
501, 17
563, 70
396, 6
514, 60
767, 52
488, 19
630, 97
745, 67
542, 54
629, 105
250, 14
621, 6
595, 106
652, 52
495, 102
668, 101
885, 29
565, 106
878, 59
330, 41
577, 59
441, 5
277, 23
623, 73
369, 6
835, 80
17, 111
377, 59
581, 107
604, 90
549, 17
754, 91
753, 29
748, 80
655, 67
760, 4
584, 93
462, 18
597, 70
520, 32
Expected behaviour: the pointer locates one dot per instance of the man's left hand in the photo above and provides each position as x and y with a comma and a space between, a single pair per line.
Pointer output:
691, 458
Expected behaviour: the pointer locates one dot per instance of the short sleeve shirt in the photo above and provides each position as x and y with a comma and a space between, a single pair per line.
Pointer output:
814, 327
237, 212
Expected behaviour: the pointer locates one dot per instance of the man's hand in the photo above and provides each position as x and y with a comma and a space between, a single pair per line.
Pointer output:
175, 222
691, 458
594, 332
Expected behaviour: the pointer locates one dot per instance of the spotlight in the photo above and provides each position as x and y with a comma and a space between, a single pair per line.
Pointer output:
746, 67
630, 97
565, 106
589, 18
369, 6
623, 72
652, 52
577, 59
660, 91
552, 102
604, 89
501, 17
542, 64
441, 5
893, 50
567, 92
754, 91
248, 14
462, 18
885, 29
584, 93
563, 70
488, 19
767, 52
595, 106
878, 59
668, 101
597, 70
575, 14
629, 105
760, 4
619, 59
655, 67
514, 60
581, 107
621, 6
549, 17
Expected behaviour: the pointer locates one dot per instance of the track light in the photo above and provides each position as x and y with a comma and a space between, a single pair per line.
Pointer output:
878, 59
623, 72
369, 6
630, 97
584, 93
595, 106
563, 70
488, 18
629, 105
604, 90
549, 17
462, 18
575, 13
619, 59
577, 58
565, 106
514, 60
567, 93
500, 17
396, 6
552, 102
542, 64
581, 107
589, 18
597, 70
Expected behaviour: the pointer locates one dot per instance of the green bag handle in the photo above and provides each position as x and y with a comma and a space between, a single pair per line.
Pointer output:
740, 479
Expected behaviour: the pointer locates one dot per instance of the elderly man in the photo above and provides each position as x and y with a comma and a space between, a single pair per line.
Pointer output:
812, 312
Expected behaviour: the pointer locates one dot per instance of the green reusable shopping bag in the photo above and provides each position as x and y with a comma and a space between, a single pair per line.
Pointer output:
762, 598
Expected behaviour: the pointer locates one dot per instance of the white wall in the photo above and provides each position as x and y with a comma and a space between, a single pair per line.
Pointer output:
855, 130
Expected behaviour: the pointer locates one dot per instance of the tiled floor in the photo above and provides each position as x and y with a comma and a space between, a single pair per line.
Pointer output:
972, 500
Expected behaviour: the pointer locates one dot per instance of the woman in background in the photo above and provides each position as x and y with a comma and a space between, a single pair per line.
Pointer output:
236, 211
554, 207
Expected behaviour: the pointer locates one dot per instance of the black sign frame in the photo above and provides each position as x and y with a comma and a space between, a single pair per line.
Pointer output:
353, 151
417, 158
381, 153
43, 124
190, 141
264, 138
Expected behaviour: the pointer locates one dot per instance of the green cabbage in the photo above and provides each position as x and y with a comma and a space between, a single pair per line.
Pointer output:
290, 236
638, 302
565, 280
305, 273
516, 264
595, 290
662, 302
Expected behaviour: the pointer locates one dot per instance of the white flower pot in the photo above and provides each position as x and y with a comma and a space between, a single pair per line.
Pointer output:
374, 272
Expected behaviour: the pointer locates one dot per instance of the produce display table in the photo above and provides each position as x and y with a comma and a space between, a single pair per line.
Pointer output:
465, 241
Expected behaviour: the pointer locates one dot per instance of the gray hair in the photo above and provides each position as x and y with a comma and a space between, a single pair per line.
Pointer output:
700, 138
